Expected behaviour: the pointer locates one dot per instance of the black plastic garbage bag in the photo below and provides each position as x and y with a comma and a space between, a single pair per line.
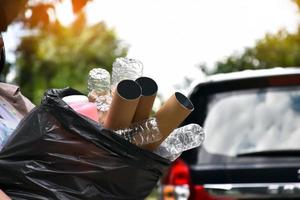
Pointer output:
56, 153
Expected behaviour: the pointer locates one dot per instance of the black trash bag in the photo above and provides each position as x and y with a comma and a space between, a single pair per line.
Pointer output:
56, 153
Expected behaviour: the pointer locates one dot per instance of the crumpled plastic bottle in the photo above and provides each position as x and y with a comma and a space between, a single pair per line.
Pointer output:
141, 133
126, 68
99, 90
180, 140
6, 129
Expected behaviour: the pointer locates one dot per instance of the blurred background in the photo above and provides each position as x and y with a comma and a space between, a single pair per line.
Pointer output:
54, 43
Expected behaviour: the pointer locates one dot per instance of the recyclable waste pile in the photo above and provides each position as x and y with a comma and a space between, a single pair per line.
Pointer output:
77, 146
132, 93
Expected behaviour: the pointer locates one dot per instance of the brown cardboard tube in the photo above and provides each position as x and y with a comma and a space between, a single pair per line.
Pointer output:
170, 116
149, 90
123, 106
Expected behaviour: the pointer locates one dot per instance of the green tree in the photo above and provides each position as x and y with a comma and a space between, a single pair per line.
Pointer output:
55, 56
281, 49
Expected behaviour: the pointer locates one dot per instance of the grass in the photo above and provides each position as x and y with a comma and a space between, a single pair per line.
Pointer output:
153, 195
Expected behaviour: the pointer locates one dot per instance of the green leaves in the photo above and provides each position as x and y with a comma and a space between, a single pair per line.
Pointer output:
58, 56
278, 50
274, 50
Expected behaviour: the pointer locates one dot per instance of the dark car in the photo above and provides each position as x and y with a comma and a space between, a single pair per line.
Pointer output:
252, 144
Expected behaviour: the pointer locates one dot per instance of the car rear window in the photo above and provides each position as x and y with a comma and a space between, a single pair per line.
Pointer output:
253, 120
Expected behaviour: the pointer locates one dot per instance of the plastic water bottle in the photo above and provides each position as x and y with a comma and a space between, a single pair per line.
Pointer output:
181, 139
142, 133
126, 68
99, 91
6, 129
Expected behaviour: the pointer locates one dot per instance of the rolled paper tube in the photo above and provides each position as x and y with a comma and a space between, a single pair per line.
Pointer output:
149, 90
123, 106
170, 116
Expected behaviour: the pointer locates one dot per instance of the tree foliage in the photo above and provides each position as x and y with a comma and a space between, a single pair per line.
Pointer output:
39, 11
281, 49
55, 56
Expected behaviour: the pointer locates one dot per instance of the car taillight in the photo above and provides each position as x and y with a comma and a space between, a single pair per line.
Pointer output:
177, 185
178, 174
285, 80
199, 192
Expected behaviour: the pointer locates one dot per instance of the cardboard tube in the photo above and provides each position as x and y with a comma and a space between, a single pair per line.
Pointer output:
149, 90
170, 116
123, 106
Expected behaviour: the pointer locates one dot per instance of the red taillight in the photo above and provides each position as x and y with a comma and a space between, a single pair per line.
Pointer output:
178, 174
285, 80
199, 192
177, 183
178, 180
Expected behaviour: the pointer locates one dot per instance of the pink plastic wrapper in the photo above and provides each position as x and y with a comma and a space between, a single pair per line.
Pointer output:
88, 109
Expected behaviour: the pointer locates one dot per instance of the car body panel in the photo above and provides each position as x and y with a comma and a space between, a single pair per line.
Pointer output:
243, 177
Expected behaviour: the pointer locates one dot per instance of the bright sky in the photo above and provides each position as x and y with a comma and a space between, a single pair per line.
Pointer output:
171, 37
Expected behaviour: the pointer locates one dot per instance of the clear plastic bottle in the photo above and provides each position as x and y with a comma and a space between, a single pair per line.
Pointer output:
6, 129
99, 91
126, 68
142, 133
181, 139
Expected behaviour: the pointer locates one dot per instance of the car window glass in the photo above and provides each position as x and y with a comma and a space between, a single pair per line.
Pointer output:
253, 120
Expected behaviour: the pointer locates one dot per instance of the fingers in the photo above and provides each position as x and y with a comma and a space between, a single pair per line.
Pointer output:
3, 196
